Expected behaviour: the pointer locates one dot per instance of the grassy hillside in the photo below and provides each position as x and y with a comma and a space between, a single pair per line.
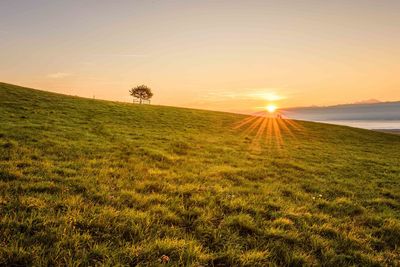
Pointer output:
87, 182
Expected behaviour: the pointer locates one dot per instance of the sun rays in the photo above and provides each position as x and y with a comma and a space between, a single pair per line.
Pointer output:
268, 129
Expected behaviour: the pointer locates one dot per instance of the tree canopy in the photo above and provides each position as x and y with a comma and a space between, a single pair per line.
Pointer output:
142, 92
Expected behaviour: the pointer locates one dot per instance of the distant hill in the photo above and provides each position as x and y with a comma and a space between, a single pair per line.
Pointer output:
369, 111
86, 182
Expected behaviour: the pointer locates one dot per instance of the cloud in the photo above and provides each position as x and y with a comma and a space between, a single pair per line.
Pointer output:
132, 55
266, 95
248, 94
368, 101
122, 55
58, 75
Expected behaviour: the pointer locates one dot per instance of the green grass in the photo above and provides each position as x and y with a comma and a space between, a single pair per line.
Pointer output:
88, 182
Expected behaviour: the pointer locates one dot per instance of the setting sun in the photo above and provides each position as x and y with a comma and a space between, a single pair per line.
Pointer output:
271, 108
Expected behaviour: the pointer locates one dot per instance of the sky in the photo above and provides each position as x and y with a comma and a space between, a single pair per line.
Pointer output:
236, 56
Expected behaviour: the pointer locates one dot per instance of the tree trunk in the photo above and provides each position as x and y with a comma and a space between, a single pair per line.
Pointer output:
140, 101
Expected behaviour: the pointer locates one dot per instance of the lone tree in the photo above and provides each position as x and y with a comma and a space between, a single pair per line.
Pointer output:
142, 92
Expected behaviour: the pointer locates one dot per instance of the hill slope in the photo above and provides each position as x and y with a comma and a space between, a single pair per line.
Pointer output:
95, 182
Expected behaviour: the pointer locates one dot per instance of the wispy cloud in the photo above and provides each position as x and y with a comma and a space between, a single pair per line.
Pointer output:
368, 101
131, 55
58, 75
268, 94
122, 55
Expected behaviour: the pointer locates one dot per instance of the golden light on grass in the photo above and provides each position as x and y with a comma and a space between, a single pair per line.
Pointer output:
268, 130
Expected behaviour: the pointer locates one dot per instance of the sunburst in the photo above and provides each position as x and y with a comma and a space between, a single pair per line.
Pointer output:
268, 127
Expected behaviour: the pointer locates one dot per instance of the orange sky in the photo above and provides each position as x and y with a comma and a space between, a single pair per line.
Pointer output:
222, 55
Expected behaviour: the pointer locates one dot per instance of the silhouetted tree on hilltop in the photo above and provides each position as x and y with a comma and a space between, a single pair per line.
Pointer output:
141, 92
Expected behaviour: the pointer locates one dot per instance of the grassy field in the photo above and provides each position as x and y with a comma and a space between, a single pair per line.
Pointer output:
88, 182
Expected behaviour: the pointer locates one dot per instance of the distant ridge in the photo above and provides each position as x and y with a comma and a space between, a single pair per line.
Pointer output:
356, 111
